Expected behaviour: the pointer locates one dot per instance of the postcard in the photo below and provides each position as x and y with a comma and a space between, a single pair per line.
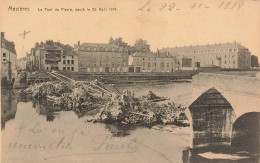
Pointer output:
174, 81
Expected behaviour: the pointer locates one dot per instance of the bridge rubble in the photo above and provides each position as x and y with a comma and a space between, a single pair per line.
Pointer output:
112, 106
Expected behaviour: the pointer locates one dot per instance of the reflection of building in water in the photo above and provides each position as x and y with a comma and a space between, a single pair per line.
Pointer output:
211, 119
44, 109
8, 106
120, 130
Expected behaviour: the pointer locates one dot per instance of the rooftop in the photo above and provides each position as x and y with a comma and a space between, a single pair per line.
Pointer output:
204, 47
8, 45
211, 99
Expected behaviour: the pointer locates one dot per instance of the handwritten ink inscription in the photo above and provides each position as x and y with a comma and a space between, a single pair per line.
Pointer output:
174, 6
60, 139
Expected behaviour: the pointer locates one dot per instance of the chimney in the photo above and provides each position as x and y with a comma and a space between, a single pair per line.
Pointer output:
157, 52
78, 43
2, 35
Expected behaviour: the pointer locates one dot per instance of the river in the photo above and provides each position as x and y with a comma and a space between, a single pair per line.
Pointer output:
34, 133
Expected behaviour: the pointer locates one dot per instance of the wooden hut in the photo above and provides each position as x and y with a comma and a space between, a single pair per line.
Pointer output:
211, 122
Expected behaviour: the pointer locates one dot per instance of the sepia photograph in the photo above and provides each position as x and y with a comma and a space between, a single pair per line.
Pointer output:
130, 81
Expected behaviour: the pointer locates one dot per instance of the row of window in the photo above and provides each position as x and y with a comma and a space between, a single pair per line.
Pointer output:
234, 62
68, 68
101, 49
68, 62
154, 64
149, 58
101, 64
213, 50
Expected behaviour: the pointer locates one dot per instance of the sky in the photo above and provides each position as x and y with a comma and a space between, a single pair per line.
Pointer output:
176, 24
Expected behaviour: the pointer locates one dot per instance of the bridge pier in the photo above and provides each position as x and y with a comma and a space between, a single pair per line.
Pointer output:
211, 120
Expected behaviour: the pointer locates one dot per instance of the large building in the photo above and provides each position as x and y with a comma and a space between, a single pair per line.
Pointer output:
54, 56
8, 60
151, 62
99, 57
226, 56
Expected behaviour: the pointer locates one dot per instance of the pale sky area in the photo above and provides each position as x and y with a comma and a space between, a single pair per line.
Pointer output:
200, 25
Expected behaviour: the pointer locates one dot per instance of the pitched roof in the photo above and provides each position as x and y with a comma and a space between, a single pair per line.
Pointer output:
211, 99
204, 47
103, 45
8, 45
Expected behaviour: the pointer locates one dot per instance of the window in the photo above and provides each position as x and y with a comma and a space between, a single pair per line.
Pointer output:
149, 65
143, 59
64, 61
4, 59
72, 57
68, 61
72, 61
68, 68
64, 68
47, 68
162, 64
4, 54
63, 56
72, 68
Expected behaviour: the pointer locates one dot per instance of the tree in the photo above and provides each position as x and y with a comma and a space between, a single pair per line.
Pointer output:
254, 61
141, 46
111, 40
118, 41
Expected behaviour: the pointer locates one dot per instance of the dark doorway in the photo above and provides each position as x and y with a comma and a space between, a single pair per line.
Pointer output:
131, 69
137, 69
107, 69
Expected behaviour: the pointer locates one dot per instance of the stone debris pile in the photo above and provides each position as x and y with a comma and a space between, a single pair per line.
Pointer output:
122, 107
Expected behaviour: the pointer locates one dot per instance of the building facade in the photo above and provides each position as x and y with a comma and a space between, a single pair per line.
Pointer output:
8, 60
54, 56
99, 58
69, 59
183, 62
151, 62
226, 56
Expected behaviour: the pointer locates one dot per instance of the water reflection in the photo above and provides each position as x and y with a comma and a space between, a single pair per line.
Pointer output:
8, 106
119, 130
46, 108
221, 155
